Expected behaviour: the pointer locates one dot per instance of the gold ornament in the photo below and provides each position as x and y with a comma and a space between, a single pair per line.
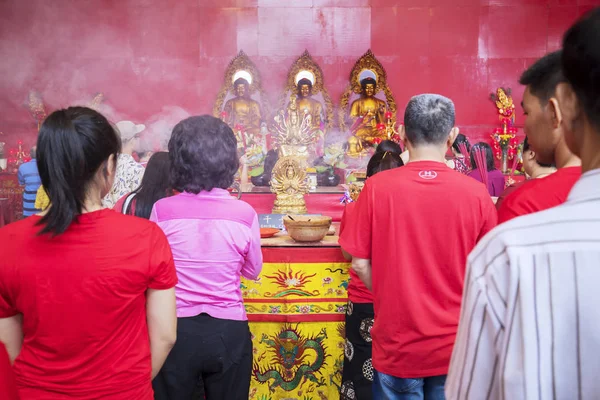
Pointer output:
289, 183
294, 132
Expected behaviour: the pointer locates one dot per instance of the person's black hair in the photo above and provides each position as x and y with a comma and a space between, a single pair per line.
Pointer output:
240, 81
366, 81
388, 145
460, 138
155, 185
489, 155
543, 76
73, 144
527, 148
382, 161
304, 81
581, 63
203, 153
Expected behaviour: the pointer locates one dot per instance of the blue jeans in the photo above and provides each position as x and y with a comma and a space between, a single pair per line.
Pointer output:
387, 387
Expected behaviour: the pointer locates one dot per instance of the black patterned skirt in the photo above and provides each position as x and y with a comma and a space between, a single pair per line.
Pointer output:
357, 376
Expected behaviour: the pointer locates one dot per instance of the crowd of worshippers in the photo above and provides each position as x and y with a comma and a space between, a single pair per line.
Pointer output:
449, 297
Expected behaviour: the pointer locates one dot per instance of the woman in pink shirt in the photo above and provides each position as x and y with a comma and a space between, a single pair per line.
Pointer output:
215, 239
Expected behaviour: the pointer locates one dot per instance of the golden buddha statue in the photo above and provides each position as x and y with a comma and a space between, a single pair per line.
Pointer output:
289, 184
307, 105
368, 113
242, 111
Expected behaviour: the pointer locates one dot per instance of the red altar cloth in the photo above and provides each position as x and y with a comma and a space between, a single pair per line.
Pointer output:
325, 201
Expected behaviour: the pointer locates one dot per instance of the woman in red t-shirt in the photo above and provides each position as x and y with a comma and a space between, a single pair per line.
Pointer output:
87, 302
359, 313
155, 186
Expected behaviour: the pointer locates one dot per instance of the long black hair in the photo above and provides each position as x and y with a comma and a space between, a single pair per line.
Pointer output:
382, 161
73, 144
155, 185
388, 145
489, 155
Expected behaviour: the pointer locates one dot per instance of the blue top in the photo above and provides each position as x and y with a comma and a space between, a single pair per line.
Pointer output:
30, 178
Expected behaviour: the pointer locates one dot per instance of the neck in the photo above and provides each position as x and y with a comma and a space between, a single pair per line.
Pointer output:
426, 153
564, 158
541, 172
590, 155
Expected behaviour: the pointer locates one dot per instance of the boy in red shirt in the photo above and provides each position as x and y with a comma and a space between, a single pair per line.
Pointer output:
413, 230
544, 127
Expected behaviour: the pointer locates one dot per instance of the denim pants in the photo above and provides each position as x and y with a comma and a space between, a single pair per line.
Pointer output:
387, 387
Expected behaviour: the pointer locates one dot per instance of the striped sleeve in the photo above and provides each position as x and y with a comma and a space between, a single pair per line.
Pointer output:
474, 365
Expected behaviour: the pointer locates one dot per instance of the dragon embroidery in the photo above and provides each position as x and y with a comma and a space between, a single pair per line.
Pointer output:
290, 365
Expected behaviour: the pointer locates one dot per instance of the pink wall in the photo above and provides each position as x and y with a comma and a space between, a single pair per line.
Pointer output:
148, 54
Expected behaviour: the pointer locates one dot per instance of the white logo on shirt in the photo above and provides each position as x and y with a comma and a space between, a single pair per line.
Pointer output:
428, 174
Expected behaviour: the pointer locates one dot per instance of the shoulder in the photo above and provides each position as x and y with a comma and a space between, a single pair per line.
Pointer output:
18, 230
524, 190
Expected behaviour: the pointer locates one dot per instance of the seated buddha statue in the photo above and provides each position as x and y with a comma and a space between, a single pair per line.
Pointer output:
307, 105
242, 110
368, 113
289, 184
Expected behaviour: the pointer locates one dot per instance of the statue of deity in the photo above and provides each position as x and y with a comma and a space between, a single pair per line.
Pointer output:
294, 131
289, 184
368, 113
307, 105
242, 111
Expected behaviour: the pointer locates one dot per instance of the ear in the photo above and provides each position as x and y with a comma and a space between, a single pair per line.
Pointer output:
402, 133
452, 137
531, 155
110, 166
569, 106
555, 112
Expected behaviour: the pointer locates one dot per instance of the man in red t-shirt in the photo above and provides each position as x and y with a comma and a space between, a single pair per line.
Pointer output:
544, 127
413, 229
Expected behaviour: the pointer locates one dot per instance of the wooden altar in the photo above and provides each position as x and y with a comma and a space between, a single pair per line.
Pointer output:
296, 312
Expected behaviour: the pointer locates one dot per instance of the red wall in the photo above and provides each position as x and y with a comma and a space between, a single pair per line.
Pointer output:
148, 54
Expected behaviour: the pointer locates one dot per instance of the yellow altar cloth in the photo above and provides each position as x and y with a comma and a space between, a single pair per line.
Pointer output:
296, 311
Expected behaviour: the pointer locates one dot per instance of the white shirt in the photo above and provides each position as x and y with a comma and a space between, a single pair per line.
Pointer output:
530, 318
128, 177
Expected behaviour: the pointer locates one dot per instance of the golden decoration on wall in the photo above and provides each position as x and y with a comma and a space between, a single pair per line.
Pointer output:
241, 67
371, 119
305, 68
289, 183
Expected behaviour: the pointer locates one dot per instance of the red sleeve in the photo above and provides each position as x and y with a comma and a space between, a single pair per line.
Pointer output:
356, 237
8, 386
490, 217
509, 209
7, 304
162, 266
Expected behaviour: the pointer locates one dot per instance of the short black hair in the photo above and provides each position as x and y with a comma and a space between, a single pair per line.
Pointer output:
581, 63
382, 161
543, 76
526, 148
428, 119
203, 153
388, 145
72, 146
460, 138
489, 155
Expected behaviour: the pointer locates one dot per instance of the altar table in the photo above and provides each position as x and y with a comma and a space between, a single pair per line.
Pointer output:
296, 312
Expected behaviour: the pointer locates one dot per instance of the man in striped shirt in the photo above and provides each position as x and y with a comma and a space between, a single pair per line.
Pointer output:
30, 178
530, 319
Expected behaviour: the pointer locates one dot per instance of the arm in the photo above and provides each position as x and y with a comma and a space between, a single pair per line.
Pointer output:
362, 267
472, 369
253, 264
11, 334
20, 177
162, 325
